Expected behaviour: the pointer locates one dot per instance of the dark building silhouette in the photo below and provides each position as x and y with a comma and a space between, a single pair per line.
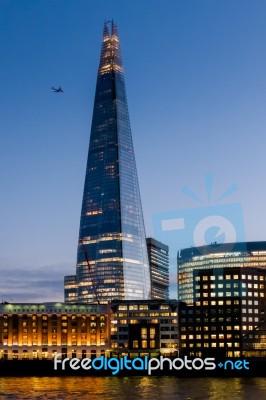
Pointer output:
158, 254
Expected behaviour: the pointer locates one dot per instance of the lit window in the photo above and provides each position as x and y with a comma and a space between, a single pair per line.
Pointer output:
144, 344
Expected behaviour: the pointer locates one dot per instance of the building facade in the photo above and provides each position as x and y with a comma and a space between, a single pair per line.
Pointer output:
40, 331
228, 316
112, 261
229, 255
158, 254
144, 328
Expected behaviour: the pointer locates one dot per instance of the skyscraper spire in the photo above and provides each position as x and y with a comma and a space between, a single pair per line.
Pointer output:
112, 234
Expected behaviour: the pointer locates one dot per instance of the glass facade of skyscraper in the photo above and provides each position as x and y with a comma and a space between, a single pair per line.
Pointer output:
112, 261
242, 255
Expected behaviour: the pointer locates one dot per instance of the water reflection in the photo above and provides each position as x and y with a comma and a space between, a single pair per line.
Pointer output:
143, 388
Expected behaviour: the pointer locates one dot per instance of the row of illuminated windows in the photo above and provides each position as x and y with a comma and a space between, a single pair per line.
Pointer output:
236, 276
153, 321
213, 328
144, 344
150, 314
220, 336
228, 344
230, 285
141, 307
226, 302
230, 294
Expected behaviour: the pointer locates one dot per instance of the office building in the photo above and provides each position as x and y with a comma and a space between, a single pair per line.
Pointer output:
158, 254
228, 255
140, 328
132, 328
112, 260
227, 318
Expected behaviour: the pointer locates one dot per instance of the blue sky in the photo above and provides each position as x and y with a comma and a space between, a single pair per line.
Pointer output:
196, 86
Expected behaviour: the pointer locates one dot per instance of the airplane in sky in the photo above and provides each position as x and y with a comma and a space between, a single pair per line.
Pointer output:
59, 90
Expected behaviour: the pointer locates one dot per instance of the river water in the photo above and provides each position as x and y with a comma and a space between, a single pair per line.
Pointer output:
128, 388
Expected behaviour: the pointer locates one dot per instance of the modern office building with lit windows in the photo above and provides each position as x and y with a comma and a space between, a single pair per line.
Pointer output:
228, 315
140, 328
229, 255
112, 260
158, 254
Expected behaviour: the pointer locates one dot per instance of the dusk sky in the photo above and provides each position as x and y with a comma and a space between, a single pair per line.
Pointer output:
195, 76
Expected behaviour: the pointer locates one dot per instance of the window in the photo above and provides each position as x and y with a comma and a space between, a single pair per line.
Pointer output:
144, 344
143, 333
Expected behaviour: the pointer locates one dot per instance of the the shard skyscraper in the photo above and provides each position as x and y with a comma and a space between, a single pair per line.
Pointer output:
112, 261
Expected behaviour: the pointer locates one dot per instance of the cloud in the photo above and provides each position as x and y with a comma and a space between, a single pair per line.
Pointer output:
33, 284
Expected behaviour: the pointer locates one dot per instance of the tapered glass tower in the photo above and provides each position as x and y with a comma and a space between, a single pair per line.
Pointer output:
112, 260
